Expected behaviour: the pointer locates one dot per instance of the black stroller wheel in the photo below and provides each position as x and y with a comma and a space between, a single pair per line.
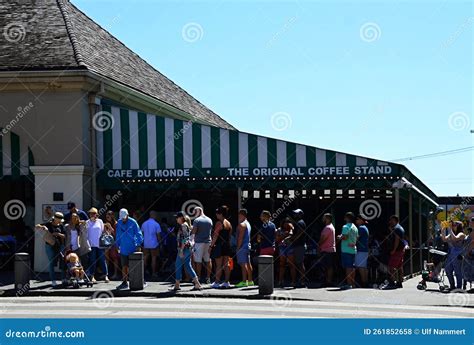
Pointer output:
444, 288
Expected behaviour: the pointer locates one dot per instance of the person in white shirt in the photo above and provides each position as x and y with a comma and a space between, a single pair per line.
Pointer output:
95, 228
152, 239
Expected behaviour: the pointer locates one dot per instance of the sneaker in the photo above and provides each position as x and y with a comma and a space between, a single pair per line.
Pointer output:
123, 286
251, 283
54, 284
93, 280
107, 279
242, 284
301, 285
208, 281
224, 285
384, 285
215, 285
390, 286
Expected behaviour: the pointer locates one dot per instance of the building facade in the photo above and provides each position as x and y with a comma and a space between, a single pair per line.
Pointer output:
85, 119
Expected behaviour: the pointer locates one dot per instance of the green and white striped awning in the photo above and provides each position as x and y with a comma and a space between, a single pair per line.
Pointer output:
134, 144
15, 156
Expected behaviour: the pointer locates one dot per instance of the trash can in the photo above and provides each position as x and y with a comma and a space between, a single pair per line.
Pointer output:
22, 273
265, 275
136, 271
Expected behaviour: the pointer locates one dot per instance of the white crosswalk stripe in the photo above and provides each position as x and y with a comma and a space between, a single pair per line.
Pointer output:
180, 307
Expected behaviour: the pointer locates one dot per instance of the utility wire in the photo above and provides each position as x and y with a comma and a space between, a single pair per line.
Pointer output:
436, 154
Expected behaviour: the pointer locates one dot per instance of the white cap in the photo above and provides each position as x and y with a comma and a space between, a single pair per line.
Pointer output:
123, 213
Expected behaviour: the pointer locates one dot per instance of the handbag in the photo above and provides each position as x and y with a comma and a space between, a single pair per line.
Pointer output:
48, 237
106, 240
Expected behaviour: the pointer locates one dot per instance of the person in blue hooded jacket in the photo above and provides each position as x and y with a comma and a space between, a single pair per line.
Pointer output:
129, 238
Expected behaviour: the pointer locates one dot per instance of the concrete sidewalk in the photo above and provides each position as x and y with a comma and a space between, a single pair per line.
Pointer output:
409, 295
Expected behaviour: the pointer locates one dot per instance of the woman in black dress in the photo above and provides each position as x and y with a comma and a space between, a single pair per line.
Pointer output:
221, 248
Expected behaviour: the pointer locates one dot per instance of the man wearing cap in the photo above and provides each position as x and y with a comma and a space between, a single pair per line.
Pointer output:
202, 227
71, 206
53, 251
128, 240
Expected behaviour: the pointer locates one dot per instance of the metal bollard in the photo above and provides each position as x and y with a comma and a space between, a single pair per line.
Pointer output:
136, 271
265, 275
22, 273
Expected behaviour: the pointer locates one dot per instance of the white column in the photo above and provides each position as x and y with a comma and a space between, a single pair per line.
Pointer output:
70, 181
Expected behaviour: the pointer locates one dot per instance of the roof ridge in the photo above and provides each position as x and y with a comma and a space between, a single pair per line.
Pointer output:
82, 61
71, 34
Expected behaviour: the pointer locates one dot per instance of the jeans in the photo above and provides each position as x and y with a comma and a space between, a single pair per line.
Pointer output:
454, 267
97, 255
54, 254
186, 262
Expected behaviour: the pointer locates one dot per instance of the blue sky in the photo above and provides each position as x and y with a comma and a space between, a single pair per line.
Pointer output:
383, 79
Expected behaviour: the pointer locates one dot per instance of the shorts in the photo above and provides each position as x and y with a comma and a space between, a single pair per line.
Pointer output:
201, 252
151, 251
327, 260
124, 260
299, 252
396, 260
348, 260
267, 251
243, 256
361, 259
216, 252
286, 251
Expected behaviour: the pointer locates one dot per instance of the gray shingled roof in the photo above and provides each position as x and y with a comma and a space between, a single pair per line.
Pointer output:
55, 35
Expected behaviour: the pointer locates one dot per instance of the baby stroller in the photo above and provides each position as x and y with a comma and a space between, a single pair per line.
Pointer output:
76, 276
433, 272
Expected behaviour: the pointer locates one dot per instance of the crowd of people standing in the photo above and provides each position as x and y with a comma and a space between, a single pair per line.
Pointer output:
203, 251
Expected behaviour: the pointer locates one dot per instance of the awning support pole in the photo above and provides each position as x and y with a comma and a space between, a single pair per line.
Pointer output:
397, 202
410, 227
239, 198
420, 234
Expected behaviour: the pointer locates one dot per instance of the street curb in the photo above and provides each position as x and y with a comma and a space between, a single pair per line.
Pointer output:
118, 293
